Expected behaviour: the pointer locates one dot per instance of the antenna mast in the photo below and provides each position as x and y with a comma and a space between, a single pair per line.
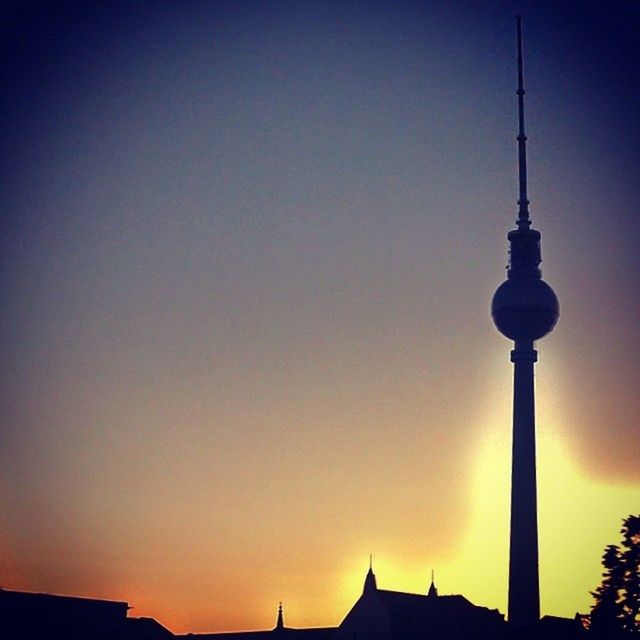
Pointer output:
523, 203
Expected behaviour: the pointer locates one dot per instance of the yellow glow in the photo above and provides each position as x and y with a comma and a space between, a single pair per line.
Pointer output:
577, 518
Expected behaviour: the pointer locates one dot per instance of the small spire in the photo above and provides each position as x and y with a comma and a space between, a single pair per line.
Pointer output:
370, 583
280, 620
523, 203
433, 592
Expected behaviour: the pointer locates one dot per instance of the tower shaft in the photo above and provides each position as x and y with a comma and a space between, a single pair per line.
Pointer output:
524, 589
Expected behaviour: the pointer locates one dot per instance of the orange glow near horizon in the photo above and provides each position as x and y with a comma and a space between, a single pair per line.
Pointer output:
235, 582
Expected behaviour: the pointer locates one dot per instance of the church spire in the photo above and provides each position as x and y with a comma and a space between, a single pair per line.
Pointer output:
370, 581
433, 591
280, 620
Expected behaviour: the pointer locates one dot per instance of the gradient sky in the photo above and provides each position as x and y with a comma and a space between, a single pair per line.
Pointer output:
248, 252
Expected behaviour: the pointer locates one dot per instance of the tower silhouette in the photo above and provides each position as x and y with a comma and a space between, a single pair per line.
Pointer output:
524, 309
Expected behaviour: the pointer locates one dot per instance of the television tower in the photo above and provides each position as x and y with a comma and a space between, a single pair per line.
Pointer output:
524, 309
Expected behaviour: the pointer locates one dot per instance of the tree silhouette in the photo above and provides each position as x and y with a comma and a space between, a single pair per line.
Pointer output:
630, 558
617, 600
607, 611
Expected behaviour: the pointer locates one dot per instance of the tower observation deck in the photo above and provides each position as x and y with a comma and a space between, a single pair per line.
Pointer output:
524, 309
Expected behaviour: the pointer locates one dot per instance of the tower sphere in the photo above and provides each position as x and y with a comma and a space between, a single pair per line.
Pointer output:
525, 309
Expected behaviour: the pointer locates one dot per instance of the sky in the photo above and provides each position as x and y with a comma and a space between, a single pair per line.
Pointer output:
248, 253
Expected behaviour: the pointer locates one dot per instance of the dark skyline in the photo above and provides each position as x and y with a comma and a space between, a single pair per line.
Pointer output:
248, 251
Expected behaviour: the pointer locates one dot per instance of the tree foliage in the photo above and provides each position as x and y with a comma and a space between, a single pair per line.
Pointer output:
616, 609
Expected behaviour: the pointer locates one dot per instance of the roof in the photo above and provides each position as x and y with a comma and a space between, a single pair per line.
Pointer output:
146, 628
26, 614
287, 633
412, 615
8, 595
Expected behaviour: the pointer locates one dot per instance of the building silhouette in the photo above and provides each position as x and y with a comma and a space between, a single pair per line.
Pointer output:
392, 615
379, 614
524, 309
279, 632
44, 616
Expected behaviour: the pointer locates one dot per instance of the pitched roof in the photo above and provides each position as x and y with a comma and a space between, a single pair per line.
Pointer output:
412, 614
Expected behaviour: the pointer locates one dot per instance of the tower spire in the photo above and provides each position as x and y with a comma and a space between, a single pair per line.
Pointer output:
523, 203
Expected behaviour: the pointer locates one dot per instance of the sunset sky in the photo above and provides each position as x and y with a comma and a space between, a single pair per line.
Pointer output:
248, 253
